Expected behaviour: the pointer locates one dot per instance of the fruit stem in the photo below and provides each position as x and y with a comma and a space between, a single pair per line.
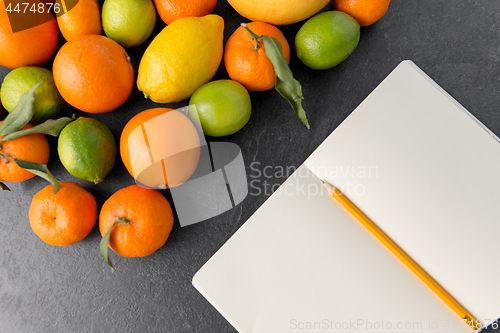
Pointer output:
123, 220
4, 157
254, 37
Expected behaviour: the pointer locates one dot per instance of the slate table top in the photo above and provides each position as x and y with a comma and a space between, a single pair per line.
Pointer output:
71, 289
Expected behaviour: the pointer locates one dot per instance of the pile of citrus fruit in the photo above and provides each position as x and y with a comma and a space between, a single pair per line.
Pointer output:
92, 72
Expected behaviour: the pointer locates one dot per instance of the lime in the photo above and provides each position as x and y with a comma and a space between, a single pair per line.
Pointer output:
87, 149
48, 102
223, 107
128, 22
327, 39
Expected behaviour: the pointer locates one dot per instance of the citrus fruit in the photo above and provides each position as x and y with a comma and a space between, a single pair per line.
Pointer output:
32, 147
171, 10
93, 73
144, 219
171, 139
48, 101
83, 19
223, 107
278, 12
366, 12
327, 39
87, 149
184, 56
250, 67
128, 22
63, 218
33, 46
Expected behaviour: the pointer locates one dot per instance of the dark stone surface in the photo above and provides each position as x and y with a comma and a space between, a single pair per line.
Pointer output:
71, 289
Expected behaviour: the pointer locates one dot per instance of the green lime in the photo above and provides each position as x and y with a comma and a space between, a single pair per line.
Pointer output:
87, 149
327, 39
223, 107
48, 102
128, 22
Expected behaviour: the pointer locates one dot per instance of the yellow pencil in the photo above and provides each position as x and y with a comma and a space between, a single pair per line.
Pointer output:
398, 252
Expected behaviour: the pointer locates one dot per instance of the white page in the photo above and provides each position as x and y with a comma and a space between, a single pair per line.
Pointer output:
434, 186
302, 258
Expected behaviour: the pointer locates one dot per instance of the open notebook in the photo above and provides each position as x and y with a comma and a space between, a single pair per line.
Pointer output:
419, 166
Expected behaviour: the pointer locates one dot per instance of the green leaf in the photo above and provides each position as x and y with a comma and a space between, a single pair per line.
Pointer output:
4, 187
286, 84
21, 114
50, 127
40, 170
104, 246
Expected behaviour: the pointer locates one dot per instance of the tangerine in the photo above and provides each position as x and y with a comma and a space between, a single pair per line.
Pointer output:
83, 19
144, 219
171, 10
63, 218
32, 147
366, 12
247, 63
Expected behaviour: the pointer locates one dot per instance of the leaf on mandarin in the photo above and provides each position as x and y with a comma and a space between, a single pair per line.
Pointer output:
50, 127
4, 187
40, 170
286, 84
103, 246
21, 114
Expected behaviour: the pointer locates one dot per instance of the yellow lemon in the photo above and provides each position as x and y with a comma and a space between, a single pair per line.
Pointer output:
184, 56
278, 12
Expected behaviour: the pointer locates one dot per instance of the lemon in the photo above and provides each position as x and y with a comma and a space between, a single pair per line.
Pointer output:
48, 102
87, 149
278, 12
181, 58
128, 22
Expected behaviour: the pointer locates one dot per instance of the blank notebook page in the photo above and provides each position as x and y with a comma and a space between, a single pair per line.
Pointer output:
302, 258
431, 181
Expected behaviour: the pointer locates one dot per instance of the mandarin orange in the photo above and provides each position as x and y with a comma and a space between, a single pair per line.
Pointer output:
83, 19
144, 219
171, 10
250, 66
63, 218
32, 147
366, 12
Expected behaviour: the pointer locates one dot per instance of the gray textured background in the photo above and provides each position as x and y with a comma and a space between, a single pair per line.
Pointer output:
71, 289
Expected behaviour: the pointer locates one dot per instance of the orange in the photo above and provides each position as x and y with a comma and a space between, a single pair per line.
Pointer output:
83, 19
30, 47
93, 73
171, 10
366, 12
144, 219
252, 68
150, 144
63, 218
32, 147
